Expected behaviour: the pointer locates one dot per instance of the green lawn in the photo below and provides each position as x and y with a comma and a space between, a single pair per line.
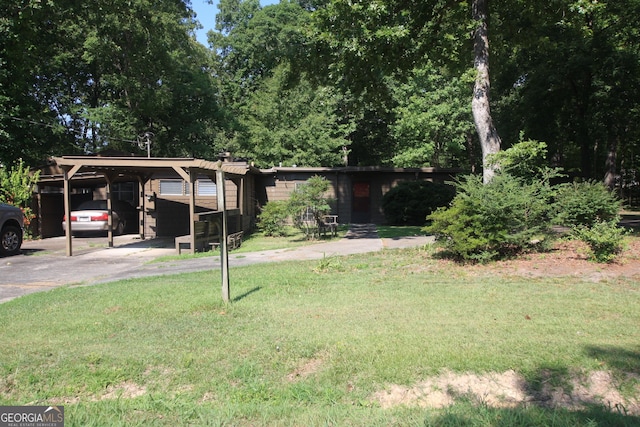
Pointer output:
258, 242
310, 343
294, 237
389, 232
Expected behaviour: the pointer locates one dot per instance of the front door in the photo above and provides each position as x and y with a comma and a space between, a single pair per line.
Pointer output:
361, 202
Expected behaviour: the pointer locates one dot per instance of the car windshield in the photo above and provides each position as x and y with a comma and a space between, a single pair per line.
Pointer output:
101, 205
93, 204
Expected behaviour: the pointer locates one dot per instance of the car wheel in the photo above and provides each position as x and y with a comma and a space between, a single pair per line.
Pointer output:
10, 240
119, 228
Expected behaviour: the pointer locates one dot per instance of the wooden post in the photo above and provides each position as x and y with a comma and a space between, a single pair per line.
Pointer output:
108, 179
241, 202
141, 206
68, 174
67, 212
224, 232
192, 209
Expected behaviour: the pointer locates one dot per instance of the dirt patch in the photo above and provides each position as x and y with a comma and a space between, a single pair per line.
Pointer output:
509, 389
565, 259
310, 367
570, 258
124, 390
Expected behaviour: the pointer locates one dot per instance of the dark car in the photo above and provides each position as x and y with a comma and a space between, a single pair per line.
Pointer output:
11, 229
92, 216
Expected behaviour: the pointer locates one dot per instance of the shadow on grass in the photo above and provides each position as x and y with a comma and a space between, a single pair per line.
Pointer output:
622, 359
467, 414
246, 294
631, 221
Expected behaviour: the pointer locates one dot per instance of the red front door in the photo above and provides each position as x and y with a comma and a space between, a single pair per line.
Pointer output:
361, 202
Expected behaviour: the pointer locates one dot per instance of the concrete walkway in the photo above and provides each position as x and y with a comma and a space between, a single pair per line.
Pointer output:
43, 264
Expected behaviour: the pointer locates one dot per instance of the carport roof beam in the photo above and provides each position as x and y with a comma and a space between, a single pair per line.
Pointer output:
137, 166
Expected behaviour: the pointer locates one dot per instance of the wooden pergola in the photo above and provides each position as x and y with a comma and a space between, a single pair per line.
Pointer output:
142, 169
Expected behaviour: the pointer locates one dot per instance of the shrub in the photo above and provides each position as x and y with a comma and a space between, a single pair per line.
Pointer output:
491, 221
409, 203
585, 204
16, 188
604, 238
309, 203
273, 217
525, 159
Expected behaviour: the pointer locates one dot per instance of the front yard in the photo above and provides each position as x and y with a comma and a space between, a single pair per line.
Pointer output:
390, 338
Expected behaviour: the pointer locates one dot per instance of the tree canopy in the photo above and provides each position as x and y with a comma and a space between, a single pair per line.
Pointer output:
326, 82
83, 77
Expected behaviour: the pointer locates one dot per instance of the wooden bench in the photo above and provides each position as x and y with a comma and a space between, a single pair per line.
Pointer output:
328, 223
206, 233
319, 227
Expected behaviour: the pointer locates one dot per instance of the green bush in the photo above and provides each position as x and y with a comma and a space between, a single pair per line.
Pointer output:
273, 218
526, 160
409, 203
496, 220
309, 203
16, 189
585, 204
605, 239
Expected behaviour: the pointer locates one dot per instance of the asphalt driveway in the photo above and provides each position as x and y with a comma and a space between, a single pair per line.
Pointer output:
43, 264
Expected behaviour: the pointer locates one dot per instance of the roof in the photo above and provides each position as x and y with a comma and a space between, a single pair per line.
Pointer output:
358, 169
147, 164
88, 168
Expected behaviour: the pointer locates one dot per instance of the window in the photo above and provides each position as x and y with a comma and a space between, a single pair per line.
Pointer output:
125, 191
178, 187
171, 187
206, 187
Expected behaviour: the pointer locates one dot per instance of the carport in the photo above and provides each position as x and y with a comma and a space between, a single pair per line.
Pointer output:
142, 170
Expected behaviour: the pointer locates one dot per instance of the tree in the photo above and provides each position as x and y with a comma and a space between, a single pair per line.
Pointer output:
294, 125
487, 133
28, 125
251, 42
96, 75
279, 117
433, 122
564, 75
362, 43
306, 207
16, 187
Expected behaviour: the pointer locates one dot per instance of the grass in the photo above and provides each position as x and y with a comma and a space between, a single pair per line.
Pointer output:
389, 232
258, 242
309, 343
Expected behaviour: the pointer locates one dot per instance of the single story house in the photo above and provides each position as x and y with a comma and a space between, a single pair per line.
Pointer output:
161, 189
357, 192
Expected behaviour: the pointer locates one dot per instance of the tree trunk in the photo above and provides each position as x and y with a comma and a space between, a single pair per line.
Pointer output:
610, 165
489, 138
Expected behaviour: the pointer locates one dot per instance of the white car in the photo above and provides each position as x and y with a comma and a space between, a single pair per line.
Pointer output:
11, 229
92, 217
